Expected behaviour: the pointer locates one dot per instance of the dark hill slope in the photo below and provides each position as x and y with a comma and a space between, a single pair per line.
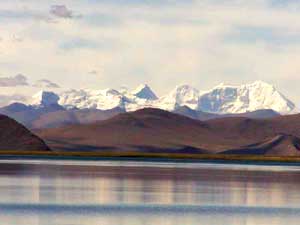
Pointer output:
282, 144
14, 136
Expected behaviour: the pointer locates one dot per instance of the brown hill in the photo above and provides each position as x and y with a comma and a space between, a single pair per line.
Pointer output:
14, 136
282, 144
244, 130
147, 129
157, 130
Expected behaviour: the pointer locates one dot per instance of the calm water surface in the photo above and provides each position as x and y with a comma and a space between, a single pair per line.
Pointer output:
155, 193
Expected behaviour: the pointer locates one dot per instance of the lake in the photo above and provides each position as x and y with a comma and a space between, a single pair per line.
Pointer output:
71, 192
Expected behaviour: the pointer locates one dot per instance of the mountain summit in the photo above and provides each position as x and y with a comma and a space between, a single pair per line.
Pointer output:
183, 95
144, 91
244, 98
44, 98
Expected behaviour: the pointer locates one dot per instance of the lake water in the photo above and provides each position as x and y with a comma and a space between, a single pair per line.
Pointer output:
149, 193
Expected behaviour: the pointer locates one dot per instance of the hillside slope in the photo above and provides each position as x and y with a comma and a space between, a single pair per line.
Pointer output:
14, 136
155, 130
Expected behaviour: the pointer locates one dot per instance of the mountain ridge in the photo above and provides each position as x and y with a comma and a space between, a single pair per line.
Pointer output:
222, 99
155, 130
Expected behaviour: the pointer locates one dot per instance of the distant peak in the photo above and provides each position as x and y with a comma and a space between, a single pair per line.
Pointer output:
45, 98
141, 87
145, 92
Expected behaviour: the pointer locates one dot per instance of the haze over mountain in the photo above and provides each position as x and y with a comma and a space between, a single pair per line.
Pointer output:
54, 115
199, 115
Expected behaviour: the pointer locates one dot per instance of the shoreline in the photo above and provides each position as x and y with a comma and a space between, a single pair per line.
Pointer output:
155, 157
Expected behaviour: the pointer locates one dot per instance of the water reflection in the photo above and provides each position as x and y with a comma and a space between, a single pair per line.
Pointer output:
45, 194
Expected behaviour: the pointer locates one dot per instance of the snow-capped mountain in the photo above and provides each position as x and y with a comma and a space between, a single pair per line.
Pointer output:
222, 99
244, 98
93, 99
105, 99
144, 91
44, 98
183, 95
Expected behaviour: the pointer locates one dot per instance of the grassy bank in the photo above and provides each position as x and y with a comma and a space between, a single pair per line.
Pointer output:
142, 155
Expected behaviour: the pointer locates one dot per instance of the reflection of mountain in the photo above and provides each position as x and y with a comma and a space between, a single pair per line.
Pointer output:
89, 189
154, 130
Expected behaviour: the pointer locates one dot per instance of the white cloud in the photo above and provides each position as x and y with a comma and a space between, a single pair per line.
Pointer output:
200, 42
44, 83
13, 81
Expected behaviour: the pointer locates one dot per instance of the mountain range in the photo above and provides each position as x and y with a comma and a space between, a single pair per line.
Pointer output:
248, 119
48, 109
222, 99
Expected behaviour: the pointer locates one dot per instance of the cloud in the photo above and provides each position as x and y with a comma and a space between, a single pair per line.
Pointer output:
18, 80
61, 11
130, 41
44, 83
83, 43
271, 35
93, 72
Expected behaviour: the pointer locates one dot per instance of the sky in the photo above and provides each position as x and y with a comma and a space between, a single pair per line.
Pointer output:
111, 43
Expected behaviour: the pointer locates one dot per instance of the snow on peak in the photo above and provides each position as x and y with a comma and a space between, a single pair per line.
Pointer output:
144, 91
95, 99
123, 90
261, 83
221, 99
180, 96
244, 98
44, 98
223, 85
